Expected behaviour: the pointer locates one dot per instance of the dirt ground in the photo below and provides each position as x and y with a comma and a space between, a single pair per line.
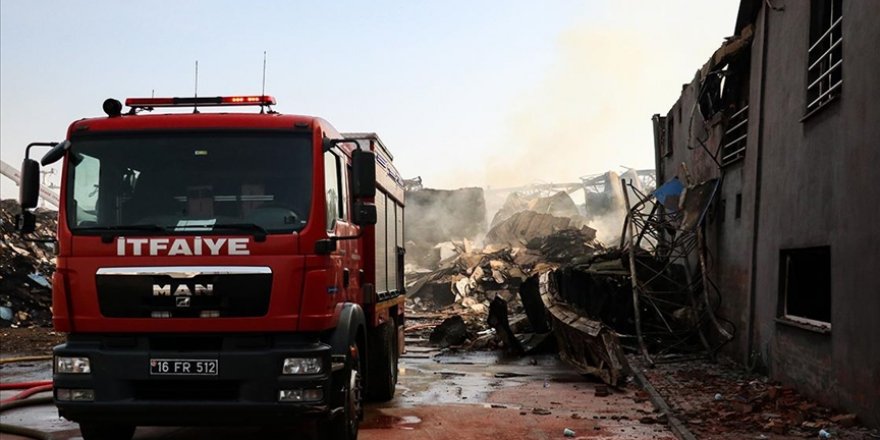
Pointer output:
28, 341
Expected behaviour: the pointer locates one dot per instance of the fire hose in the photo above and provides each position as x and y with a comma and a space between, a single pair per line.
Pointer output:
22, 400
25, 359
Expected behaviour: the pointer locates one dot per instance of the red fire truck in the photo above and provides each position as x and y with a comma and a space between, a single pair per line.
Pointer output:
222, 268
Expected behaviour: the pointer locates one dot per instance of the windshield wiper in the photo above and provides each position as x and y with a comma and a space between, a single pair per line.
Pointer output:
258, 231
108, 233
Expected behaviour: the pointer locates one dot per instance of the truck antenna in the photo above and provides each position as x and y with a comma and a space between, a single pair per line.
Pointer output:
196, 93
263, 91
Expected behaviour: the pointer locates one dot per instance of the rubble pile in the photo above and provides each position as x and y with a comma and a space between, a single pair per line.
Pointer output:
522, 227
26, 269
519, 244
557, 205
566, 245
473, 287
718, 400
467, 281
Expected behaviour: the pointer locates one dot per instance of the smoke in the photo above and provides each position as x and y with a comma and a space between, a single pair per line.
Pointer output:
592, 110
581, 119
436, 216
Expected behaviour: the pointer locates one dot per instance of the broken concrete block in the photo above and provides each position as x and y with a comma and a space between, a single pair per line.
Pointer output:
524, 226
452, 331
498, 319
845, 420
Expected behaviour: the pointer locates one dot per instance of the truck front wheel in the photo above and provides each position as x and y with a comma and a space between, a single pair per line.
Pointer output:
382, 362
106, 431
351, 403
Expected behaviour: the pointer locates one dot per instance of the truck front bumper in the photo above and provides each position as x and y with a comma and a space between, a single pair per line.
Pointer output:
245, 389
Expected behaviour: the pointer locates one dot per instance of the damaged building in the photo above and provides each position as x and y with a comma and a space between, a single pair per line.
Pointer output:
784, 115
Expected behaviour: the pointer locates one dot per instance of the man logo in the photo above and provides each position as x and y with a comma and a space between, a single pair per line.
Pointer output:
183, 290
182, 301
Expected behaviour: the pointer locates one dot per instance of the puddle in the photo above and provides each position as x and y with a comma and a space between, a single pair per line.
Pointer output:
469, 378
384, 421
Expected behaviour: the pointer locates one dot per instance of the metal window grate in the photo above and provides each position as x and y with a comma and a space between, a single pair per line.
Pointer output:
825, 60
733, 144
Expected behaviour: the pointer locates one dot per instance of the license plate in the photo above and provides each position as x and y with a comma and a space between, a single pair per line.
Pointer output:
184, 367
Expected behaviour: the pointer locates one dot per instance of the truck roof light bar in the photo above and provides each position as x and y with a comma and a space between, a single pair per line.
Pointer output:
215, 101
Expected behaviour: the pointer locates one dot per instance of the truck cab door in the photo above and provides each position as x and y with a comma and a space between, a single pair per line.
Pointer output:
346, 258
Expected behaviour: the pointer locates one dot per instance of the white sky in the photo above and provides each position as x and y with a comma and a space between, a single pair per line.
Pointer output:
463, 92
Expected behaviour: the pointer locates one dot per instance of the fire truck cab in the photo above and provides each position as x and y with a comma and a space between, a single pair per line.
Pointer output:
222, 268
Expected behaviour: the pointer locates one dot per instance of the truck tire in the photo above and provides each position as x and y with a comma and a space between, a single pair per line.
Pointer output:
106, 431
345, 426
382, 363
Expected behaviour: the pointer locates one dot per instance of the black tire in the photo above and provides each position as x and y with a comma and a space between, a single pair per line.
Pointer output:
382, 363
106, 431
346, 425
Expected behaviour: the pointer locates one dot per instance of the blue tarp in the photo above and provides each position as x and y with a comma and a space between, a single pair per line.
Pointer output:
669, 194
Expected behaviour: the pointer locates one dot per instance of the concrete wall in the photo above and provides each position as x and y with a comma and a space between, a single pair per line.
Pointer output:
805, 183
820, 185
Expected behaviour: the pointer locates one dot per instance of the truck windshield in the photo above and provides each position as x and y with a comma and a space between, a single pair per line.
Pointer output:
224, 181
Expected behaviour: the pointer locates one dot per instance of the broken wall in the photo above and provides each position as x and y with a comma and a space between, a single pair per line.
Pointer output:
688, 141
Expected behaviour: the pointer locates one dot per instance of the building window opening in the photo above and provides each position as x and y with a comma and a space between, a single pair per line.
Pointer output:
825, 58
739, 206
805, 286
735, 99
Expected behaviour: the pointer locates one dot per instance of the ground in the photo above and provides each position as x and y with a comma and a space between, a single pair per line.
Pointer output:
720, 400
37, 340
489, 395
474, 395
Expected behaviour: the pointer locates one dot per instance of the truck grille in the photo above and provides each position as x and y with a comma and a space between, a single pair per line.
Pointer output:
186, 390
184, 292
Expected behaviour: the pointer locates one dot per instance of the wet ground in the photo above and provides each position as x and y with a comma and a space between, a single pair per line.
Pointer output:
481, 395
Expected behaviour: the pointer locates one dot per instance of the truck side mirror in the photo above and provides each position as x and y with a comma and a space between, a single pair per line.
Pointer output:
363, 174
26, 222
29, 189
364, 214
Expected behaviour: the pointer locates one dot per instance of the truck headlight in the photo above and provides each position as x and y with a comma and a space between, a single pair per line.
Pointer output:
72, 365
75, 395
302, 365
300, 395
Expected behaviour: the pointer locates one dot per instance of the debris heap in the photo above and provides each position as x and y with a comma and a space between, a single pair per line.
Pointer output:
468, 277
26, 269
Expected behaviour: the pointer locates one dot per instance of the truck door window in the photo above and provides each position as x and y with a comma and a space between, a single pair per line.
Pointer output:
332, 189
85, 190
343, 185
